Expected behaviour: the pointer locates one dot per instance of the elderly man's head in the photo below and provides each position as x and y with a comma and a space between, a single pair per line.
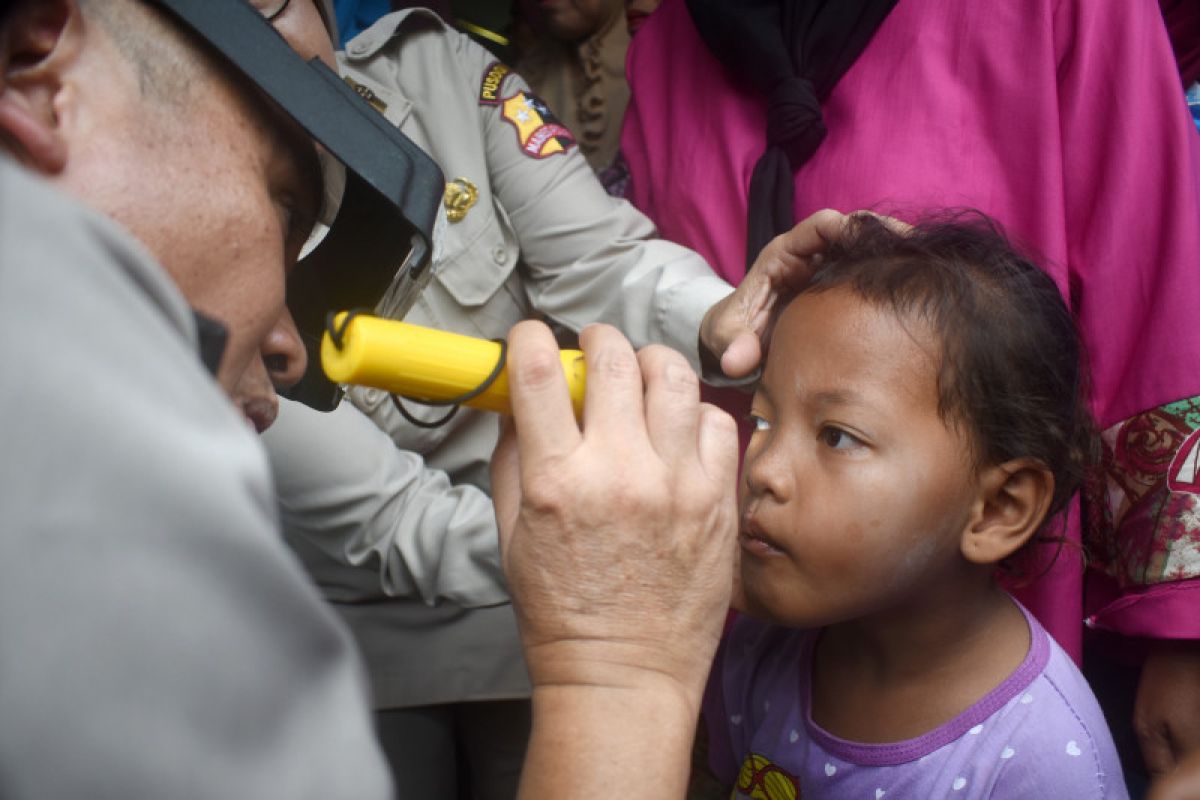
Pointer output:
122, 108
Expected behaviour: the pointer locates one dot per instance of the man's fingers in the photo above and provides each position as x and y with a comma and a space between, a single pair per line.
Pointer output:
742, 355
891, 223
541, 403
810, 235
506, 482
792, 252
612, 407
672, 399
717, 444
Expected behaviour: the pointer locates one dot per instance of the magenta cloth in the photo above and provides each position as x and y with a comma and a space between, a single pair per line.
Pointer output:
1061, 118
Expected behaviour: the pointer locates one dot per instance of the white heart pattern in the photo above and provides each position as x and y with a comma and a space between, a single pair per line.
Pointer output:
959, 783
975, 731
1073, 749
879, 793
1007, 753
793, 736
1026, 699
830, 769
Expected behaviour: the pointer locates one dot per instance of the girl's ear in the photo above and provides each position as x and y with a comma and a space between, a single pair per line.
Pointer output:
1012, 504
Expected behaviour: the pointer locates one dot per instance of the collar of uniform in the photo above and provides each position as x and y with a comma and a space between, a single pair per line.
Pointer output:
364, 46
354, 61
387, 100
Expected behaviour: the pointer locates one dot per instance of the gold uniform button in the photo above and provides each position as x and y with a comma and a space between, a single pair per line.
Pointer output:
460, 195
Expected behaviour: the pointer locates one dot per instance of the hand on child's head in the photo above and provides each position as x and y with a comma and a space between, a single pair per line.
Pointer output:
738, 328
893, 224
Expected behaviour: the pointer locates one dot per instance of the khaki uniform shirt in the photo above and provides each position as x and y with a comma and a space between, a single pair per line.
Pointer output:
541, 238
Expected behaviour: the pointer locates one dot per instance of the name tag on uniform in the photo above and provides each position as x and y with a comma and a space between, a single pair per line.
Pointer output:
366, 93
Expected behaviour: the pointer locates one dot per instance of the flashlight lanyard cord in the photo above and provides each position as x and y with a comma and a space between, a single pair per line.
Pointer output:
336, 334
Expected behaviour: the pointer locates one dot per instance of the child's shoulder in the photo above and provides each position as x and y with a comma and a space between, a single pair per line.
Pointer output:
1052, 737
1038, 734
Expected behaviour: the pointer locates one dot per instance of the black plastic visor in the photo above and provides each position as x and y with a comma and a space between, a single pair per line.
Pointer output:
384, 223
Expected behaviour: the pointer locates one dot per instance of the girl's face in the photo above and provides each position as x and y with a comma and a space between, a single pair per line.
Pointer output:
854, 491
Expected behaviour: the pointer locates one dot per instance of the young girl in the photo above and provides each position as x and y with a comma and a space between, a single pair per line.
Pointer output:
920, 418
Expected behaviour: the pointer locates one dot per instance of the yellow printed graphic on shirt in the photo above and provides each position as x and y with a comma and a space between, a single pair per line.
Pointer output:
760, 779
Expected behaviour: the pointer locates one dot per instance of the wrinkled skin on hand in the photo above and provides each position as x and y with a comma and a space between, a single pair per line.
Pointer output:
617, 536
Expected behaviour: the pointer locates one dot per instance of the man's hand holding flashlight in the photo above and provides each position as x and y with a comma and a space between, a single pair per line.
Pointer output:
618, 541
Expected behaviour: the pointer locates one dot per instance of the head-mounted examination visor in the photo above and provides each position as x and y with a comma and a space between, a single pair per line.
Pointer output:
392, 189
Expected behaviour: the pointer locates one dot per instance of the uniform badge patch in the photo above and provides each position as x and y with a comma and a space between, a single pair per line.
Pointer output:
489, 88
367, 94
538, 132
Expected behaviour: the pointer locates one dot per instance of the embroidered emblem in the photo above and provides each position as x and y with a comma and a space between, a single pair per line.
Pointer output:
460, 195
761, 779
366, 93
1184, 475
489, 89
538, 132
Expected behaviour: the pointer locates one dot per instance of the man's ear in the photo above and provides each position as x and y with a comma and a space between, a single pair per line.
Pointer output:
38, 40
1012, 504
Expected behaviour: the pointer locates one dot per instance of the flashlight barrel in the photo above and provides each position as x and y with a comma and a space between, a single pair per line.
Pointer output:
429, 365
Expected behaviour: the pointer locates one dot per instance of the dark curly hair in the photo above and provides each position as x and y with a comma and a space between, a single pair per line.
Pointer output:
1013, 369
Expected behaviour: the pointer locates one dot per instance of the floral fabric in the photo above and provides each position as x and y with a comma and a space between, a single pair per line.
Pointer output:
1144, 508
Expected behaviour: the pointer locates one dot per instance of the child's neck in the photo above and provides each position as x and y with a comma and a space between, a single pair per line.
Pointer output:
901, 674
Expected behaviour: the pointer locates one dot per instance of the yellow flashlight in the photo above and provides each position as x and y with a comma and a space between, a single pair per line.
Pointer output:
427, 365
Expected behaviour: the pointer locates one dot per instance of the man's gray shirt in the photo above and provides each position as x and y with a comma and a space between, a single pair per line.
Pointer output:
157, 638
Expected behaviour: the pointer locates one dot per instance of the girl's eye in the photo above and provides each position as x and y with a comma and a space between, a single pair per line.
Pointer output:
838, 439
757, 422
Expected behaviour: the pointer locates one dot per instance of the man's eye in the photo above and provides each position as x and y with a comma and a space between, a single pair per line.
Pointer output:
838, 439
295, 223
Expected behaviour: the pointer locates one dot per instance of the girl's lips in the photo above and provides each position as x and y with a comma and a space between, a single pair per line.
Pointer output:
754, 541
758, 547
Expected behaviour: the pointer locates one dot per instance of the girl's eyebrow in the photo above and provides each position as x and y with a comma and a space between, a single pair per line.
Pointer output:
825, 398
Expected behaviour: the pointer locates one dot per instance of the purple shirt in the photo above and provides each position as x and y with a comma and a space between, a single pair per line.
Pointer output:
1040, 733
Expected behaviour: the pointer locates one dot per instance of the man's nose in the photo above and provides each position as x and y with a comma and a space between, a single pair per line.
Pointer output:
283, 353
